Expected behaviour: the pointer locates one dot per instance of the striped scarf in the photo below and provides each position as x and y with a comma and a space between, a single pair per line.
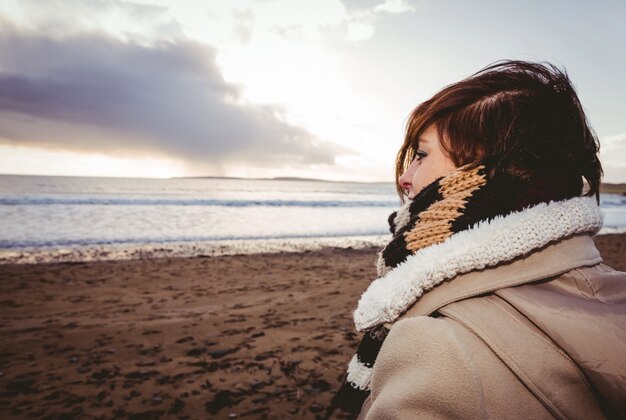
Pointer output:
447, 206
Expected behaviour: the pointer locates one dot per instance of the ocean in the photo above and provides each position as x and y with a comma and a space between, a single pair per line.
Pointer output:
44, 218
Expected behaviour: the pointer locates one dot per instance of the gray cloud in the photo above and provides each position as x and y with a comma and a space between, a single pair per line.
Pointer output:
95, 93
56, 14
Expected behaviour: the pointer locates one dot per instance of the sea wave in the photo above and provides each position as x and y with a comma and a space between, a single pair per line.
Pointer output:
34, 243
607, 200
103, 201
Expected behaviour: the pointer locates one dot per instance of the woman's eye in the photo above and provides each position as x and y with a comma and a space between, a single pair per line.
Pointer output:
419, 155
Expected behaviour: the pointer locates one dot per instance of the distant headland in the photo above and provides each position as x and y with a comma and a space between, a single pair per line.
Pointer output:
279, 178
608, 188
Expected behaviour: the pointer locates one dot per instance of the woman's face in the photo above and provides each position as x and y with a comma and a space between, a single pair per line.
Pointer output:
430, 163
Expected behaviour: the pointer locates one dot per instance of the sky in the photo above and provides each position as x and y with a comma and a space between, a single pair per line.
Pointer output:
265, 88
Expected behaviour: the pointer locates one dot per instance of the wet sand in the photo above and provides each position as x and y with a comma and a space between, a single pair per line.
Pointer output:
251, 336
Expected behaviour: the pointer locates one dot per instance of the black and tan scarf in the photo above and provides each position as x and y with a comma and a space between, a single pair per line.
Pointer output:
447, 206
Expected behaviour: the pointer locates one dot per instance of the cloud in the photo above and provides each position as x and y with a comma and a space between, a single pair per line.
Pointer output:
617, 140
359, 31
612, 150
93, 92
243, 25
394, 7
345, 20
119, 18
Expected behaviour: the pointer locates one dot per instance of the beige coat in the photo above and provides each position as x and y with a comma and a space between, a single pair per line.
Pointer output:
541, 337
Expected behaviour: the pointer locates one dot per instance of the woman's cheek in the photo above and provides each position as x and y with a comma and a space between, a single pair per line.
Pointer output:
418, 179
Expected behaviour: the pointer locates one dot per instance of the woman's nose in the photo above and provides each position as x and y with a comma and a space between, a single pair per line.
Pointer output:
405, 179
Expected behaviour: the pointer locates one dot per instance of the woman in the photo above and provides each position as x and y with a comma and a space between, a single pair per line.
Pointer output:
492, 300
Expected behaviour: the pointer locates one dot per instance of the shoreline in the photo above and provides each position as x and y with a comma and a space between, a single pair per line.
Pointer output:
124, 252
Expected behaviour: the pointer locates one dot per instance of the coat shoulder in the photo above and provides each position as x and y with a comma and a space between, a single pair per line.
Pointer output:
583, 311
599, 282
437, 368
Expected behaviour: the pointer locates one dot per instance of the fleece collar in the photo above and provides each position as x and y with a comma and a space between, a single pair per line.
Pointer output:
485, 244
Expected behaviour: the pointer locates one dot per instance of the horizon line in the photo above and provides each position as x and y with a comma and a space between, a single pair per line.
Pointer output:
278, 178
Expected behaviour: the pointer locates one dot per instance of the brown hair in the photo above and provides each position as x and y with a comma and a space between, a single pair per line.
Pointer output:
518, 118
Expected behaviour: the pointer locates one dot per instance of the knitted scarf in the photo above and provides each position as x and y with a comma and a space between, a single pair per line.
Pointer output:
464, 200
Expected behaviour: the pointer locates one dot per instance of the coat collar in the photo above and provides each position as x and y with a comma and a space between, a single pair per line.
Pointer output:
553, 260
470, 254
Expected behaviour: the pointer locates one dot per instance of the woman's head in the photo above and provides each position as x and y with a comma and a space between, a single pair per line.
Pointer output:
431, 162
520, 119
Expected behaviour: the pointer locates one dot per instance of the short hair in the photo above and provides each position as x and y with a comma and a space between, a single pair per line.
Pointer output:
519, 118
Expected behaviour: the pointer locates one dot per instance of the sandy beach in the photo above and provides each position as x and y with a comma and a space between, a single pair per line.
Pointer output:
250, 336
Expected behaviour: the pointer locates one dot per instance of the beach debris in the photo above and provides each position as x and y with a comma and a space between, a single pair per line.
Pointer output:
315, 408
177, 406
208, 366
287, 366
196, 351
145, 363
255, 411
55, 395
22, 385
133, 393
102, 374
264, 356
222, 399
217, 354
143, 375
